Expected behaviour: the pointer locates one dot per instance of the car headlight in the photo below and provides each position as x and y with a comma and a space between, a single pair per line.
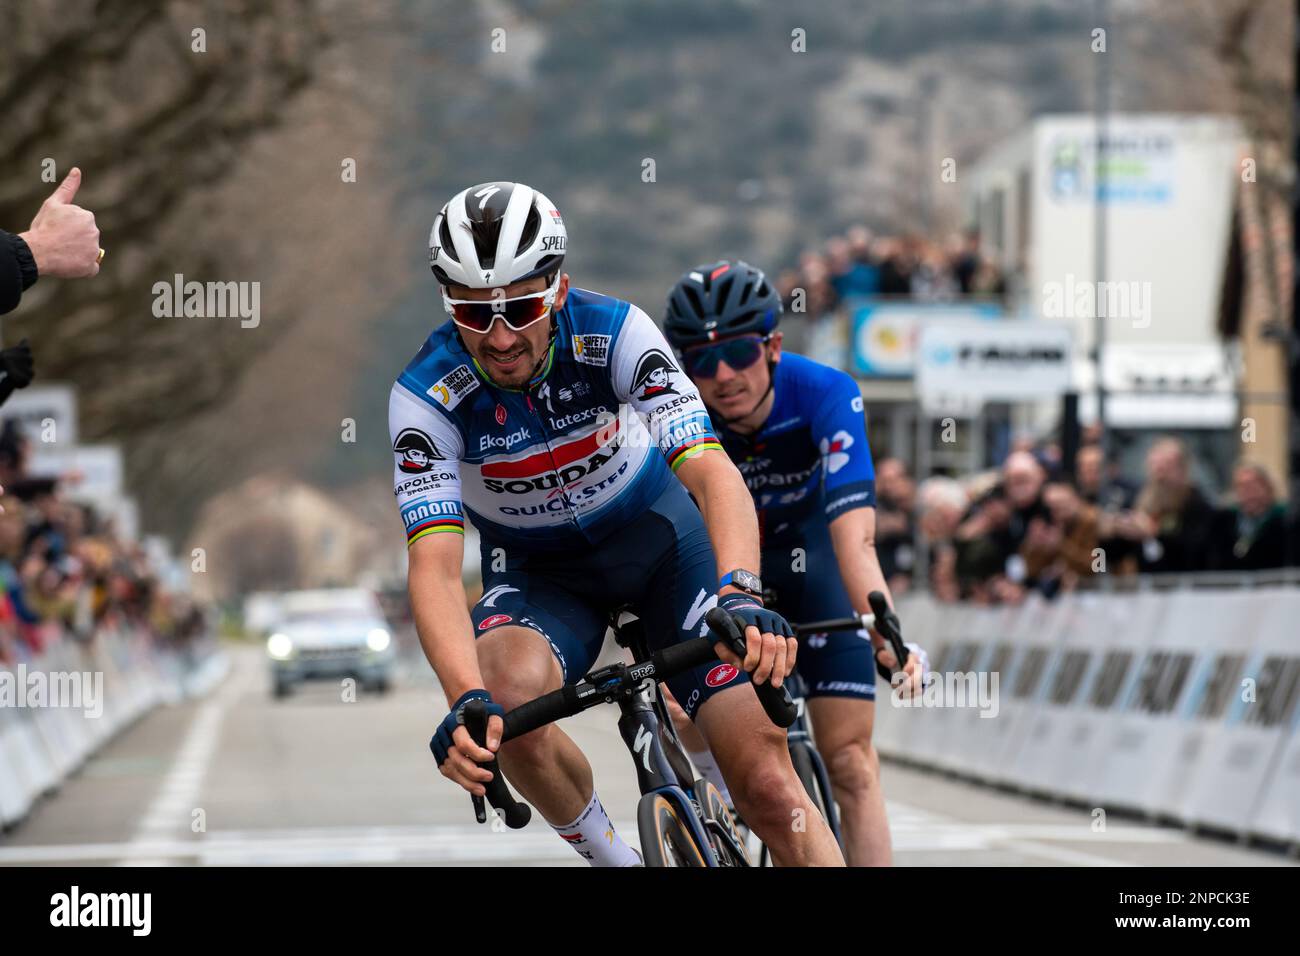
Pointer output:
279, 646
378, 639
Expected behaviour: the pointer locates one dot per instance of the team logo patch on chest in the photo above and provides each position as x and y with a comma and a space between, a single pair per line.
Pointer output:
454, 386
591, 349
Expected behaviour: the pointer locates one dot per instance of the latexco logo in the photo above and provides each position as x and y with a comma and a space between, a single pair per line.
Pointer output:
74, 909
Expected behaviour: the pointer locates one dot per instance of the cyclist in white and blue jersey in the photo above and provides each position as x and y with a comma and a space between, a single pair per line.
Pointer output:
796, 430
556, 420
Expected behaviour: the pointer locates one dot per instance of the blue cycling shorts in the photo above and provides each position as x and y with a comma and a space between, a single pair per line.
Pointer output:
661, 564
800, 569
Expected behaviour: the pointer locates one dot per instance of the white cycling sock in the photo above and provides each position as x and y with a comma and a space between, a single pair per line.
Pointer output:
593, 836
708, 768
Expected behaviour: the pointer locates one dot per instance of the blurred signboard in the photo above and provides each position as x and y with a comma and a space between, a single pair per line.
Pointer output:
885, 331
1140, 165
972, 362
90, 471
1162, 386
37, 405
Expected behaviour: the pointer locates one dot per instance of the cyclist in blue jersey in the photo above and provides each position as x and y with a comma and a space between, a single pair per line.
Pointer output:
557, 421
796, 430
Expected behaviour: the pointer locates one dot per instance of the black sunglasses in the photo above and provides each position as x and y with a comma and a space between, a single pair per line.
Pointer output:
739, 354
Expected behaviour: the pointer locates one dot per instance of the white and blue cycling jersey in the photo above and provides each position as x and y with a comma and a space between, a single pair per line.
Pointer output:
569, 483
560, 464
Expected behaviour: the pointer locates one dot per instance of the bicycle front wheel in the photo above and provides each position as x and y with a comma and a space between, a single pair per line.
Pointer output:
806, 766
665, 839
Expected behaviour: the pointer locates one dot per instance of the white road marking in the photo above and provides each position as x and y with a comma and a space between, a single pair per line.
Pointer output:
913, 830
171, 811
458, 843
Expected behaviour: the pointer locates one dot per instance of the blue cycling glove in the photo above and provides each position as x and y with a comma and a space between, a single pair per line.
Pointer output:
751, 612
442, 743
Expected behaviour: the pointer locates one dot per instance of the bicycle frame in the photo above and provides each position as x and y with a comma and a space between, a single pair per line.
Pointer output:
644, 734
657, 755
663, 768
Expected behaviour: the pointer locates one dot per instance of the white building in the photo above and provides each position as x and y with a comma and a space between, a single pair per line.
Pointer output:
1169, 193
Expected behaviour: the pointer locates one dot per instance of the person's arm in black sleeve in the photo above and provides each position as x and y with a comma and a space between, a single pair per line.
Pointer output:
16, 369
17, 270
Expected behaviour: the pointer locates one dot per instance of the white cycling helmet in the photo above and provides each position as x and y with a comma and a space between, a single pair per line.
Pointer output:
495, 234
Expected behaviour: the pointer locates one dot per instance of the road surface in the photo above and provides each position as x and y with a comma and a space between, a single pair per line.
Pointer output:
239, 778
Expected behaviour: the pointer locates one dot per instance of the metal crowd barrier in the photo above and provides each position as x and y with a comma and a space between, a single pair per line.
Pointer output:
1177, 703
41, 745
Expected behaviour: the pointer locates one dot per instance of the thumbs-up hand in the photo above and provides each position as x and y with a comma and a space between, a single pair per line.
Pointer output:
63, 237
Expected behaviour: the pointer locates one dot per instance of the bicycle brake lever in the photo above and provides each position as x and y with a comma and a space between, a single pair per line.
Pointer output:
884, 621
516, 814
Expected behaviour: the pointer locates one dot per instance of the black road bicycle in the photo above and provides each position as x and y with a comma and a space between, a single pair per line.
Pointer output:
682, 821
808, 762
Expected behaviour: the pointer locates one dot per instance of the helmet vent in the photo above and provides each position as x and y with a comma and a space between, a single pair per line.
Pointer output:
697, 307
444, 237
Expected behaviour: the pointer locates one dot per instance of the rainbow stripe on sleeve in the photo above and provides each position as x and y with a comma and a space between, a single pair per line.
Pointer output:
691, 449
434, 525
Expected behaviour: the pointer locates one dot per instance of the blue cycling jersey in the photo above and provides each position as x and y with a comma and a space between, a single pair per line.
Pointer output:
807, 465
811, 458
589, 446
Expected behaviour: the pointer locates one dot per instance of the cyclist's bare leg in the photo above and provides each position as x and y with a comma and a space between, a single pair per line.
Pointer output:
546, 767
842, 727
752, 753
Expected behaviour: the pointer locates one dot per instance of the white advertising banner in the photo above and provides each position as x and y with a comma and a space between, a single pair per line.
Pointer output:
47, 414
976, 361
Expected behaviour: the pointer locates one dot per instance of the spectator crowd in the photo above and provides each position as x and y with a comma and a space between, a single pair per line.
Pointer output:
860, 264
1030, 526
66, 574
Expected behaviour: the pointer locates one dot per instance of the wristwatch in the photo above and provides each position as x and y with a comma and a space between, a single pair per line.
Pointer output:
747, 581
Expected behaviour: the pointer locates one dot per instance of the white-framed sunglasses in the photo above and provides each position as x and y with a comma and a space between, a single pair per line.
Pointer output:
518, 313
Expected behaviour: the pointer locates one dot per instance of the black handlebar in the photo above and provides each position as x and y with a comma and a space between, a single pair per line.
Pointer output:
516, 814
887, 627
882, 618
572, 699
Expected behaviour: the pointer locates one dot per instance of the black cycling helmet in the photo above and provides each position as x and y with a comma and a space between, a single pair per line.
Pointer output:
719, 300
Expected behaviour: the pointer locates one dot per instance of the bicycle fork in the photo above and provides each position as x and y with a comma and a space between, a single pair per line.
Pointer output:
660, 765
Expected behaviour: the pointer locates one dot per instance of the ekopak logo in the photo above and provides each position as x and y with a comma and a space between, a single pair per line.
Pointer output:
722, 674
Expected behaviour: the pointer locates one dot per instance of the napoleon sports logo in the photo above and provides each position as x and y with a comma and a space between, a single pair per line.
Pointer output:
654, 376
415, 451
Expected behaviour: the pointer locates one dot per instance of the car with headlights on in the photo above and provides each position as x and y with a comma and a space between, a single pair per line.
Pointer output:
329, 635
